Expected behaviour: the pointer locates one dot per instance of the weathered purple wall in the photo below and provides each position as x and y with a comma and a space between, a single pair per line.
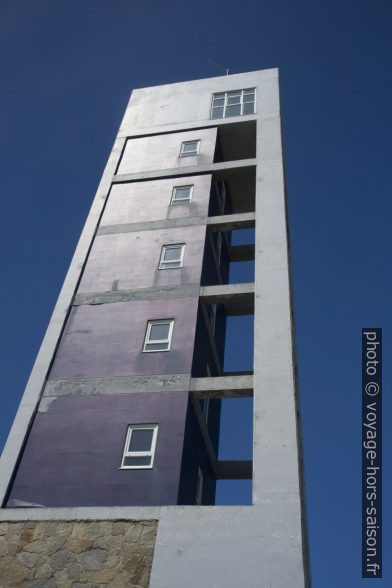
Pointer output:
135, 202
126, 261
162, 151
107, 340
74, 452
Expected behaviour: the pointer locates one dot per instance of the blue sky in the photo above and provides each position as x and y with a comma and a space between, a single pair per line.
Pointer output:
67, 68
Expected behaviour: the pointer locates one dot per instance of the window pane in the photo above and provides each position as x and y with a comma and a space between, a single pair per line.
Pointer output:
234, 110
157, 346
249, 108
249, 91
249, 98
189, 147
137, 461
141, 440
182, 193
172, 254
219, 100
171, 264
217, 112
234, 100
159, 332
233, 93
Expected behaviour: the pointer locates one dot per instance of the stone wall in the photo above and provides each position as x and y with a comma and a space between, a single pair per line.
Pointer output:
76, 554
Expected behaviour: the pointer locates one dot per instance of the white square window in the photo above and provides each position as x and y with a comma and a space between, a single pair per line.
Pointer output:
139, 447
235, 103
172, 256
199, 487
158, 335
189, 148
181, 195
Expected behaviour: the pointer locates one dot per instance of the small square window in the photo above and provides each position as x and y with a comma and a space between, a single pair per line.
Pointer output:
172, 256
158, 335
139, 447
182, 195
189, 148
199, 487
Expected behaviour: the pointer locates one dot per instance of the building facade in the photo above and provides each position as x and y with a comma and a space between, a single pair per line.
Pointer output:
120, 419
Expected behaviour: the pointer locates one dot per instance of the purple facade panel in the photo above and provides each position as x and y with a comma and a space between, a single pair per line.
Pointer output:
127, 261
73, 455
163, 151
135, 202
107, 340
74, 450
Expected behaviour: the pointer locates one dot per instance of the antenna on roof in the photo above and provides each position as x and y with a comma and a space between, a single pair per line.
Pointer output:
224, 70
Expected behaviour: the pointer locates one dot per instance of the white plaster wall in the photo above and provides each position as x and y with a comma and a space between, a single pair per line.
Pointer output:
177, 104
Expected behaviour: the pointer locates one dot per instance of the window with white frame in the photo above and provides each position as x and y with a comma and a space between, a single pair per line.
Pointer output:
182, 195
139, 447
189, 148
172, 256
235, 103
158, 335
199, 487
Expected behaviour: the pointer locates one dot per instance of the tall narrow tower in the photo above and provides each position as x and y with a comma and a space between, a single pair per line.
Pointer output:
117, 434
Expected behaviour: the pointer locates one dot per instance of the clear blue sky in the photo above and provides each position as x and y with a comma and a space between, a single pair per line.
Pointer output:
67, 69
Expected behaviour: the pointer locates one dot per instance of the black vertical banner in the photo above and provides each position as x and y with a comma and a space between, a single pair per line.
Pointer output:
371, 453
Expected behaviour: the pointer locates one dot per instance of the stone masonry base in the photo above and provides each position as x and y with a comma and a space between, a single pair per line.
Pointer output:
76, 554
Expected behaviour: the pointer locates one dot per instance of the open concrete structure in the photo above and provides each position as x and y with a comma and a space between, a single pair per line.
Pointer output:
116, 437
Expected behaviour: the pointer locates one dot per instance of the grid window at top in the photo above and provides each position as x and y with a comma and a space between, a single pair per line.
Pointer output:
235, 103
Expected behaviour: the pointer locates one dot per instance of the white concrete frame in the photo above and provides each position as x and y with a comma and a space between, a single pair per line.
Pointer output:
264, 544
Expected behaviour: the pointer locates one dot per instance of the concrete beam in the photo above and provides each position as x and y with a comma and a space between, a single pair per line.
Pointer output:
234, 470
158, 130
222, 387
170, 223
227, 222
241, 252
117, 385
237, 299
224, 166
161, 292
